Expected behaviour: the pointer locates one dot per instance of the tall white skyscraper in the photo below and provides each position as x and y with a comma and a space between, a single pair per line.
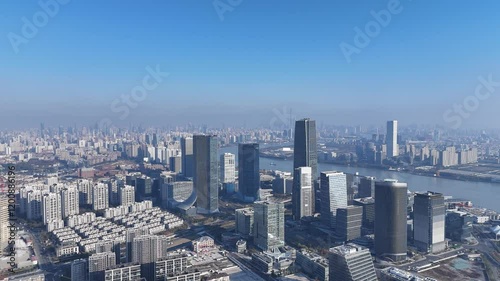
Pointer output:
69, 201
333, 195
392, 139
302, 193
126, 195
4, 220
100, 199
429, 222
228, 168
51, 204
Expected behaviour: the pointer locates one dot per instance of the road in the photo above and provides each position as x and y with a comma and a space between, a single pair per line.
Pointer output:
431, 258
239, 262
45, 265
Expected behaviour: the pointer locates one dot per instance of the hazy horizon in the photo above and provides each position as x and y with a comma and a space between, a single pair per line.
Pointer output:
247, 64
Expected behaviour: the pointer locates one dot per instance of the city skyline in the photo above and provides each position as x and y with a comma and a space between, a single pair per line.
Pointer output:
258, 140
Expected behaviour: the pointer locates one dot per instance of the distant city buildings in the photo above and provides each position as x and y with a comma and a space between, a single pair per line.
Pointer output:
392, 139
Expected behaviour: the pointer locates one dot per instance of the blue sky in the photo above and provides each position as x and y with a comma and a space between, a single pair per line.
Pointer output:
263, 55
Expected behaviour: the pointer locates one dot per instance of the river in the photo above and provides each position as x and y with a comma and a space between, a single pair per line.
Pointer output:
483, 194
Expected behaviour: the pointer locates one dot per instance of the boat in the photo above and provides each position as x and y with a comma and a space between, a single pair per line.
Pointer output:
272, 164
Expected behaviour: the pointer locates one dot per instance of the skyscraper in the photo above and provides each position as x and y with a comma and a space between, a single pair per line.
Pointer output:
70, 202
392, 139
100, 198
302, 193
126, 195
351, 262
305, 152
248, 171
228, 168
4, 220
187, 157
333, 195
51, 204
429, 222
206, 176
269, 225
390, 219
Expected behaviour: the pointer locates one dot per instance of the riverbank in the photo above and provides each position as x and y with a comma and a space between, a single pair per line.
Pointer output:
445, 174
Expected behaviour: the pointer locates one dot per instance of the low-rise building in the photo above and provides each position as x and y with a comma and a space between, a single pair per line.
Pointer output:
203, 244
314, 265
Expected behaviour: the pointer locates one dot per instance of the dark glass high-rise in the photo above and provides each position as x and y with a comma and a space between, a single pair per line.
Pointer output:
248, 171
206, 173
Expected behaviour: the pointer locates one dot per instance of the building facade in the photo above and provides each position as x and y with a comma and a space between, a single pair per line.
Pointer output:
351, 262
187, 157
429, 222
248, 171
302, 194
206, 176
392, 139
333, 195
390, 220
349, 221
269, 225
228, 168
